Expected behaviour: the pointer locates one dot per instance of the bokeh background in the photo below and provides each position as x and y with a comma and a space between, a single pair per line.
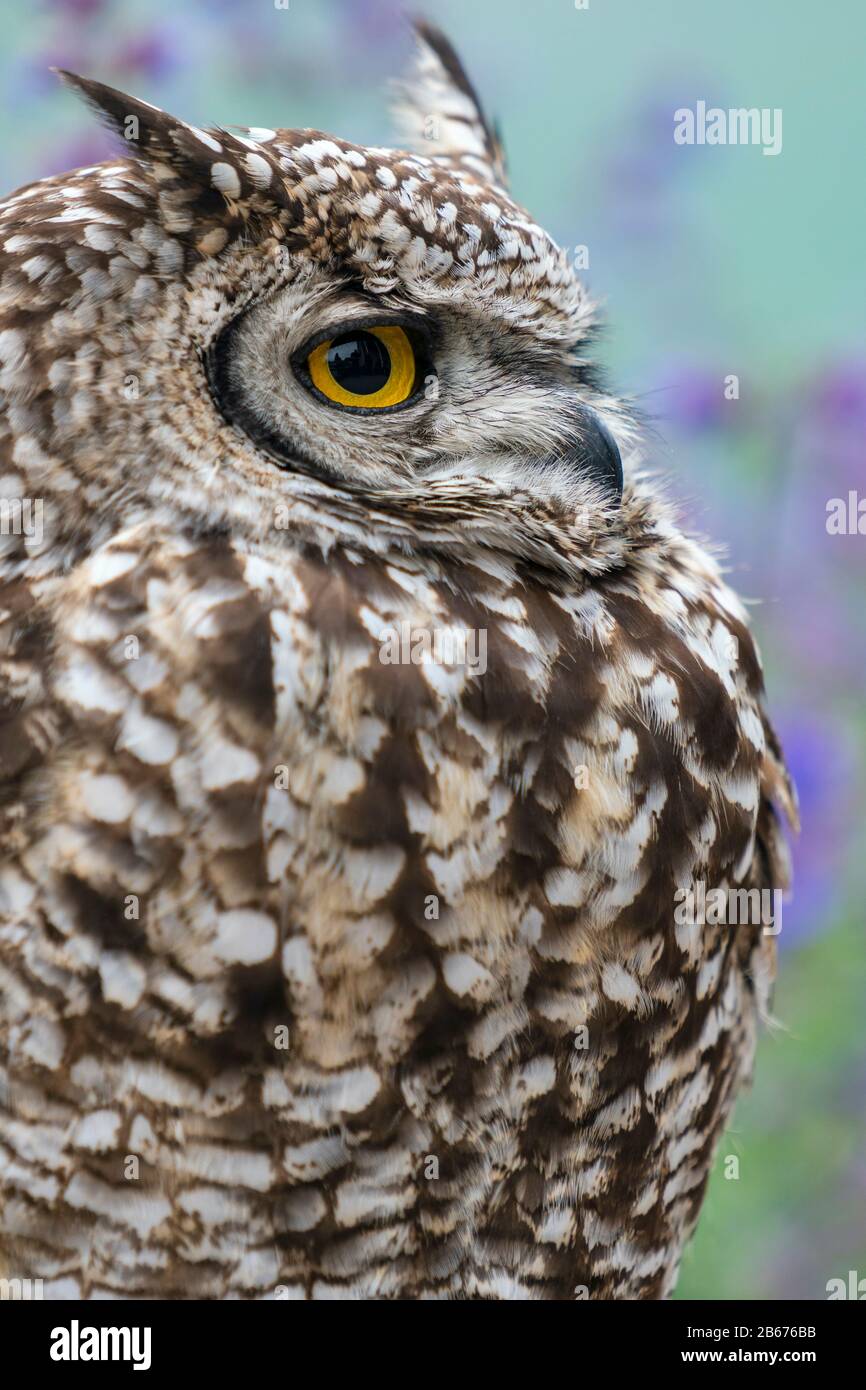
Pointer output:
711, 261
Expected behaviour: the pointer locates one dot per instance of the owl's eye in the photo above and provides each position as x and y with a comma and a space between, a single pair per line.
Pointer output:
371, 368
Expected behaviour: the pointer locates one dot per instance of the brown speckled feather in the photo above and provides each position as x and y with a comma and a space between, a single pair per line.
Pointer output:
323, 975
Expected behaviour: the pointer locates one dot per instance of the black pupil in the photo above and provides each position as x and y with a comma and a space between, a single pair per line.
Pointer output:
359, 362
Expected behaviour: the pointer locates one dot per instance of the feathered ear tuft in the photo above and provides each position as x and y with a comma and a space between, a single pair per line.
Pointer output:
206, 176
439, 114
148, 132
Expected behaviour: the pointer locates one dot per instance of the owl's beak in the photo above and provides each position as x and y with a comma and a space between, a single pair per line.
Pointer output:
593, 452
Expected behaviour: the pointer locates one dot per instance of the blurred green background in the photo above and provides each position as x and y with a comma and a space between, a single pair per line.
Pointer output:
710, 261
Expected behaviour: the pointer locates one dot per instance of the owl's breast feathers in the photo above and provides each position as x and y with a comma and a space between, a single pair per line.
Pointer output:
337, 959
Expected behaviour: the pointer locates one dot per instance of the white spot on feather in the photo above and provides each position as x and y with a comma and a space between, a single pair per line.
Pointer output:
122, 977
245, 937
225, 178
107, 798
206, 139
259, 170
97, 1132
466, 976
122, 1205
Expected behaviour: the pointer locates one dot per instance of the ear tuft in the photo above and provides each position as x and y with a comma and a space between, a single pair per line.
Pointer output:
147, 131
244, 173
209, 182
439, 114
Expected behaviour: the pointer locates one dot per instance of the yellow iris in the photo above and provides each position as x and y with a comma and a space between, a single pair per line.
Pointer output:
393, 364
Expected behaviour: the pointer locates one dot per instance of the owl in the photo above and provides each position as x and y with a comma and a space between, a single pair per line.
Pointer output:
367, 720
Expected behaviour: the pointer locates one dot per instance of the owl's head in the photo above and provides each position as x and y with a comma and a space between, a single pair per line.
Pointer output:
277, 329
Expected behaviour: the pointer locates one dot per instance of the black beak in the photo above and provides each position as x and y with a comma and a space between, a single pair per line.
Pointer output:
592, 451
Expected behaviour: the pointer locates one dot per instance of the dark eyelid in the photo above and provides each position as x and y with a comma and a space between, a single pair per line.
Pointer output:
414, 323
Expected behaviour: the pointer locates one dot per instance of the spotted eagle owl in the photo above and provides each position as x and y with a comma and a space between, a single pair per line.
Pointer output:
365, 714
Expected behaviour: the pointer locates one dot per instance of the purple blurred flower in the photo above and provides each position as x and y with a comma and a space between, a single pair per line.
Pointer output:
840, 397
78, 152
372, 34
78, 9
816, 438
830, 429
823, 763
375, 23
154, 53
693, 399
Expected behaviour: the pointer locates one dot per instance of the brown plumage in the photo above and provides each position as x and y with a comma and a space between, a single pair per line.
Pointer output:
331, 965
